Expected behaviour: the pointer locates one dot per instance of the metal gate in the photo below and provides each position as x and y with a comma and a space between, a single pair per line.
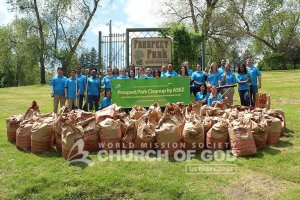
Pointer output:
112, 51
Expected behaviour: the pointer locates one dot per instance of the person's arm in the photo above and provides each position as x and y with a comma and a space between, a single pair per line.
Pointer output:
224, 78
66, 89
52, 87
259, 82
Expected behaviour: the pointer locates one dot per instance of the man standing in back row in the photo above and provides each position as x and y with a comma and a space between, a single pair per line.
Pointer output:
57, 84
81, 86
254, 75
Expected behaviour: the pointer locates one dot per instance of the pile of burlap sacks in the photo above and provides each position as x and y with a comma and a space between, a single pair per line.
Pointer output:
178, 127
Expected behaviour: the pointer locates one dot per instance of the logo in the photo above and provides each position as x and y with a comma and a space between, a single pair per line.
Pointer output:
81, 153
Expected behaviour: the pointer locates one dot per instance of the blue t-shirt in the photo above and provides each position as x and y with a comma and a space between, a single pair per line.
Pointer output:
122, 77
81, 83
221, 70
190, 72
115, 76
105, 103
214, 78
93, 86
200, 96
230, 78
213, 99
171, 74
199, 77
254, 73
163, 74
107, 81
58, 84
147, 76
71, 86
243, 77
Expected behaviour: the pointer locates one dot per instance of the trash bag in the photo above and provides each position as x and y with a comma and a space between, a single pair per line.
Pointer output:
274, 130
193, 136
145, 137
136, 112
23, 140
154, 113
241, 139
217, 137
33, 111
168, 134
12, 124
128, 140
90, 134
110, 134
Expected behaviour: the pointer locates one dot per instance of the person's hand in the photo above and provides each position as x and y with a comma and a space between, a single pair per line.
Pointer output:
259, 85
52, 95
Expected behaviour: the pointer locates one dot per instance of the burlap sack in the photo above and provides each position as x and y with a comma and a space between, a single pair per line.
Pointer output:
217, 137
193, 107
128, 140
145, 137
207, 111
154, 113
136, 112
110, 134
222, 105
32, 112
260, 133
193, 134
168, 134
241, 139
72, 139
90, 134
280, 115
263, 100
58, 130
42, 135
12, 124
83, 115
177, 112
274, 130
64, 109
108, 112
23, 140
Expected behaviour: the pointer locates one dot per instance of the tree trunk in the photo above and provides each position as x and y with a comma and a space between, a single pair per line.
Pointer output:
42, 43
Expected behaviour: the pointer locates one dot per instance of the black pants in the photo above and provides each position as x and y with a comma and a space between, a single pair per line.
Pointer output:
195, 90
253, 91
93, 101
244, 97
80, 101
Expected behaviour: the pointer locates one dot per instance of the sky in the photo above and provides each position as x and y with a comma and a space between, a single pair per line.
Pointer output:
123, 13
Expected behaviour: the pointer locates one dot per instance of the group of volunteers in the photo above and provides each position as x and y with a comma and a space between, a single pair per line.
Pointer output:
207, 87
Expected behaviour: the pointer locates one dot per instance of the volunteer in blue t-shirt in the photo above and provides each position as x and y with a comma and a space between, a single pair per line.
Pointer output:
115, 72
198, 78
57, 84
254, 75
72, 90
243, 78
148, 74
106, 81
189, 71
81, 86
106, 100
214, 76
123, 74
202, 95
214, 97
171, 72
229, 79
222, 67
93, 90
163, 71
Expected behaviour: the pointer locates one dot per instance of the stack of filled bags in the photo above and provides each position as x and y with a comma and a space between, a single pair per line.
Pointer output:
178, 127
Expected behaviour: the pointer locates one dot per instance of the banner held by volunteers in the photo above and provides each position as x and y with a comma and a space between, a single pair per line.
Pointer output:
144, 92
153, 51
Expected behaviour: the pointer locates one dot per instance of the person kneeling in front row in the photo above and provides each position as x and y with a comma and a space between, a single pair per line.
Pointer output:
106, 100
202, 95
214, 97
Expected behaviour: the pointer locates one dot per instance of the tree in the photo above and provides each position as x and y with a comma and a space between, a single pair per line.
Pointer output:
60, 24
93, 58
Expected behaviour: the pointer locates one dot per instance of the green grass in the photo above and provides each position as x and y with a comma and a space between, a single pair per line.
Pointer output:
273, 173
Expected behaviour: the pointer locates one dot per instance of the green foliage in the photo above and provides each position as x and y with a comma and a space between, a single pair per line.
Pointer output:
186, 44
18, 55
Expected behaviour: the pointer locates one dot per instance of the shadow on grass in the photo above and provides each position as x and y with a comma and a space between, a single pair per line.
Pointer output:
289, 132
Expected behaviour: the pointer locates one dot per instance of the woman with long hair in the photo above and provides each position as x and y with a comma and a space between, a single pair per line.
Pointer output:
243, 78
115, 72
156, 73
214, 76
229, 79
214, 96
183, 71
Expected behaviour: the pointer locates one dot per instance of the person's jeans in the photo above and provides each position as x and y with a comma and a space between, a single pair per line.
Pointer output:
93, 101
244, 96
253, 91
80, 101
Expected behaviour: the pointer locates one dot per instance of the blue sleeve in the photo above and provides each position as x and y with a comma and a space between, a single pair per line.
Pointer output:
258, 72
209, 102
192, 77
52, 82
235, 79
197, 97
207, 96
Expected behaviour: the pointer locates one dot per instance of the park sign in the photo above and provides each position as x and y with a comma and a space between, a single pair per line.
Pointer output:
151, 51
144, 92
